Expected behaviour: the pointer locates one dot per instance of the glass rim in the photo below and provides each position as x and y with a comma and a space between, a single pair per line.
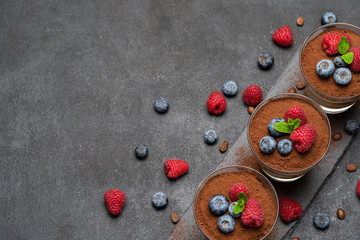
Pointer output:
241, 167
303, 45
291, 95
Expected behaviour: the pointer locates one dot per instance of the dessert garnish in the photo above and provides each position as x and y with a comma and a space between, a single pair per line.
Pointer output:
240, 205
253, 215
331, 41
343, 48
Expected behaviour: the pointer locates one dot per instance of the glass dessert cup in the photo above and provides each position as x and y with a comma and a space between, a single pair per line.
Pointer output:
289, 175
237, 169
330, 104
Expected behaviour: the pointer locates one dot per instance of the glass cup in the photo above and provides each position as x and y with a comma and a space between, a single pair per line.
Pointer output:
237, 169
277, 174
330, 104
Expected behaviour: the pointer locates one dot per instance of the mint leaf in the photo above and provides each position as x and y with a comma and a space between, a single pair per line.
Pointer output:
348, 58
242, 197
344, 45
296, 123
238, 208
282, 127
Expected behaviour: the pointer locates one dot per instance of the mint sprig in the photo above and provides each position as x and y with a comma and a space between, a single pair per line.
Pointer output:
343, 48
287, 127
240, 205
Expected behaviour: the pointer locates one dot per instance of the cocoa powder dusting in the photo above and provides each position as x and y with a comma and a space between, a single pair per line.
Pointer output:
295, 160
314, 52
220, 184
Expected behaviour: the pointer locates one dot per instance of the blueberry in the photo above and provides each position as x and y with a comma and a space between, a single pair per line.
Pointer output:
265, 60
342, 76
285, 146
141, 151
321, 220
272, 130
339, 62
230, 88
159, 200
351, 126
328, 17
267, 145
161, 105
231, 211
210, 136
325, 68
218, 204
226, 224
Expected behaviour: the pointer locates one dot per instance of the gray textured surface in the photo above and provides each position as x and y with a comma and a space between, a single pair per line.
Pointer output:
78, 80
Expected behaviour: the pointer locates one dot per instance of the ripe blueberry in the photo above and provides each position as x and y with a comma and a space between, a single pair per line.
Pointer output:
272, 130
328, 17
284, 146
210, 136
218, 204
141, 151
267, 145
351, 126
159, 200
321, 220
226, 224
230, 88
265, 60
161, 105
342, 76
325, 68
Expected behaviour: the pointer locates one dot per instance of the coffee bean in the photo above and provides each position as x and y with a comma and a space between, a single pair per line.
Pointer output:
174, 217
295, 238
340, 213
351, 167
300, 21
337, 136
292, 90
250, 109
223, 146
300, 85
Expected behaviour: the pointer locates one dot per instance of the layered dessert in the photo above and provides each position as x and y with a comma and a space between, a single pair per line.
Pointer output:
314, 52
225, 186
295, 150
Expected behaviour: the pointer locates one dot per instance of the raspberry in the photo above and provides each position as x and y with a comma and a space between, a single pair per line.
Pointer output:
355, 65
216, 103
174, 168
295, 112
114, 200
283, 36
331, 41
289, 209
237, 188
252, 95
358, 188
253, 215
303, 137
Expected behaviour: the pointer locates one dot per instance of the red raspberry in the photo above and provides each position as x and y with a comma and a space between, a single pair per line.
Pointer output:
114, 200
295, 112
252, 95
289, 209
303, 137
216, 103
237, 188
358, 188
174, 168
283, 36
355, 65
253, 215
331, 41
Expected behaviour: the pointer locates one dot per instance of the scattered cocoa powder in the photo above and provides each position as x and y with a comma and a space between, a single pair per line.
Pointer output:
295, 160
220, 184
314, 52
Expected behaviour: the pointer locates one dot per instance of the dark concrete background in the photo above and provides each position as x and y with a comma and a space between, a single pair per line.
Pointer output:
78, 80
